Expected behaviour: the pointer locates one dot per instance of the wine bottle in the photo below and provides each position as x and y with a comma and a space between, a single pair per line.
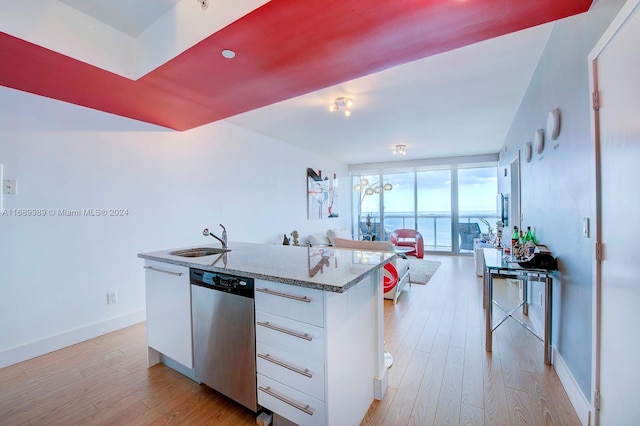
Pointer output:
514, 240
529, 244
528, 236
521, 244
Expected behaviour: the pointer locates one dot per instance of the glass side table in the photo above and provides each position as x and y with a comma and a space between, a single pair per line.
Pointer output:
497, 265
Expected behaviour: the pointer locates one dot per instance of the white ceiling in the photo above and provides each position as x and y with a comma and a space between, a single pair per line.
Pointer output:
131, 17
457, 103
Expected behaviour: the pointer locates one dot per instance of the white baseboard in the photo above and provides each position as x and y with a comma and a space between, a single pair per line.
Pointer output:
49, 344
380, 385
577, 398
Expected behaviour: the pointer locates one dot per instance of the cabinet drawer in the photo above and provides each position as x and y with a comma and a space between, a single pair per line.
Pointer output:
304, 340
299, 373
299, 303
291, 404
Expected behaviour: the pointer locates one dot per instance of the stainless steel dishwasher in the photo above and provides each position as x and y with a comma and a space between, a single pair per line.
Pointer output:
224, 343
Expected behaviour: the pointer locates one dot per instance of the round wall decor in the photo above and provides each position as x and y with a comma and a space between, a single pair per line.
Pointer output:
538, 140
553, 124
527, 151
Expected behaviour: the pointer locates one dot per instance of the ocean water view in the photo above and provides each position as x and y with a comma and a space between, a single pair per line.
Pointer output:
436, 227
422, 199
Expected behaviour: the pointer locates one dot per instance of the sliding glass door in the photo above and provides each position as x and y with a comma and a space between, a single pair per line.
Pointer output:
477, 191
450, 205
420, 201
367, 197
400, 202
434, 209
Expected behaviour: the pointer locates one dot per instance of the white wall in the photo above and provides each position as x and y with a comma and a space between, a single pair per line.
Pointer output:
55, 271
557, 186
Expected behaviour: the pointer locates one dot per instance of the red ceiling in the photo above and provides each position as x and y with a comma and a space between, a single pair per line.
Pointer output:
285, 48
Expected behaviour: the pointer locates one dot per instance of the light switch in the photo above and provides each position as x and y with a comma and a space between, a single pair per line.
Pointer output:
9, 186
585, 227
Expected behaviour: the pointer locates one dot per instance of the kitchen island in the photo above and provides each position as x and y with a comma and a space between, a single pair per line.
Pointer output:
318, 324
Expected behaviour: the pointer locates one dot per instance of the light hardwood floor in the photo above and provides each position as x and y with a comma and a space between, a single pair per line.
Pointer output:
441, 373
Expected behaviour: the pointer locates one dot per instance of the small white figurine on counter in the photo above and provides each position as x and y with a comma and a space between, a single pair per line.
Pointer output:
294, 236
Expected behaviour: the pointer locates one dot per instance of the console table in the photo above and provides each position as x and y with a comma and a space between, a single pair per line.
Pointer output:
497, 266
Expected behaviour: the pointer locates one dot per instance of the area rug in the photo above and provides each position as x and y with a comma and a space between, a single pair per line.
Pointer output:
421, 270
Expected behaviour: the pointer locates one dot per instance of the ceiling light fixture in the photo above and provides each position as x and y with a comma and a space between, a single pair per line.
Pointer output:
228, 53
400, 150
204, 4
344, 103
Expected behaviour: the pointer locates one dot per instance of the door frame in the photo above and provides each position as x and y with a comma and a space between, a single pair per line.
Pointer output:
515, 196
622, 18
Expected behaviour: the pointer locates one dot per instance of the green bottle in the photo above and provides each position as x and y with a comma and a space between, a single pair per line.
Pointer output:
529, 236
529, 243
515, 236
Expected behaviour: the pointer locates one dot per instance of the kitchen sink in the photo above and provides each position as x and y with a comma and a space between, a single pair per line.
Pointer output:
198, 252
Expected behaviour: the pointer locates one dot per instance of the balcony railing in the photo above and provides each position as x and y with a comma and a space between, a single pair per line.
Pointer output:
436, 228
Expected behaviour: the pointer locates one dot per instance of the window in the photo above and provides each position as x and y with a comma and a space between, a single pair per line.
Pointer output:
434, 209
449, 205
399, 203
367, 194
477, 191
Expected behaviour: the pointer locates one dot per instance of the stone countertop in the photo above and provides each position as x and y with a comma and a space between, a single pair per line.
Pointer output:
323, 268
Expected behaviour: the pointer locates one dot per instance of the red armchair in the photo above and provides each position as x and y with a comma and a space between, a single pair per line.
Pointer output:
408, 238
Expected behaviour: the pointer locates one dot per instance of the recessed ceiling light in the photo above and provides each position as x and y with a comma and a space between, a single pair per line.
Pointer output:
228, 53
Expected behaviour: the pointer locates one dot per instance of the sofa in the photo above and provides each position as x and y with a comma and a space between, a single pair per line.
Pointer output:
341, 238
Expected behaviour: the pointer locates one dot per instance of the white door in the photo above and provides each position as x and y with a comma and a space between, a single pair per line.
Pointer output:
616, 65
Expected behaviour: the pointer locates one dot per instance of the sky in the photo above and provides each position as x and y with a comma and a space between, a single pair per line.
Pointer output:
477, 191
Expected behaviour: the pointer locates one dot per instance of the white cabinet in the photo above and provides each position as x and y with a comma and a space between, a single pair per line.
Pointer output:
316, 351
298, 303
290, 351
285, 366
297, 337
478, 255
290, 403
168, 295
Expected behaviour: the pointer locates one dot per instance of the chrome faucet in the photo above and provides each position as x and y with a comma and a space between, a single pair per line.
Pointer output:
223, 240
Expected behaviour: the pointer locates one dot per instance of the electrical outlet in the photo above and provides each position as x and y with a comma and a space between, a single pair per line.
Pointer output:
112, 297
9, 186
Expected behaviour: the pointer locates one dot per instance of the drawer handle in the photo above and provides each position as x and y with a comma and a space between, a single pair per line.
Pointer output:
303, 408
288, 296
304, 372
304, 336
153, 268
